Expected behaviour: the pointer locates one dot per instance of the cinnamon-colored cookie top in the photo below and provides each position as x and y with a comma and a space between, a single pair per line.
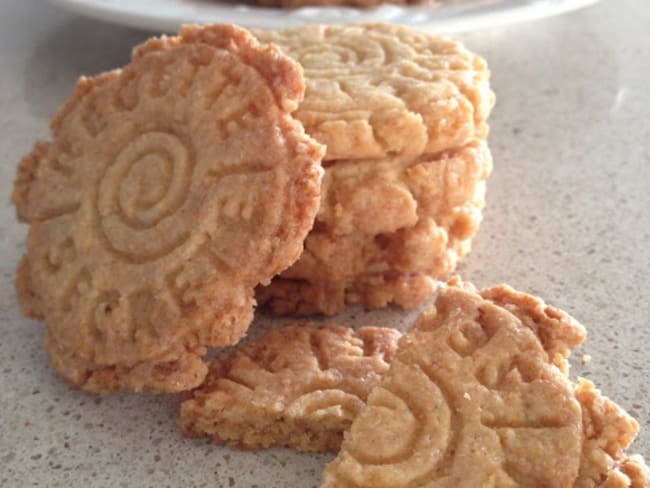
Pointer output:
299, 386
169, 189
472, 398
377, 90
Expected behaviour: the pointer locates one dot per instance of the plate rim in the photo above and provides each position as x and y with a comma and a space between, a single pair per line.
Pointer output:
106, 12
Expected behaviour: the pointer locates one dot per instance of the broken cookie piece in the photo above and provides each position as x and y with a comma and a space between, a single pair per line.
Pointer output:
477, 396
298, 386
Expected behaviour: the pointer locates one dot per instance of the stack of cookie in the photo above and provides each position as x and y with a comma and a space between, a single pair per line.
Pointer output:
403, 115
170, 189
176, 186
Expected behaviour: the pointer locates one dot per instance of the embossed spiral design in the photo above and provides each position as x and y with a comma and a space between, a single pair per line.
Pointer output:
145, 186
348, 58
472, 400
170, 188
399, 437
378, 90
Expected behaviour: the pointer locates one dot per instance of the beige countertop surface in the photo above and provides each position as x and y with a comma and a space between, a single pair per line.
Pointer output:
567, 219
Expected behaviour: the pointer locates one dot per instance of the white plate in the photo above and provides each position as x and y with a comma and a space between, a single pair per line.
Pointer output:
441, 16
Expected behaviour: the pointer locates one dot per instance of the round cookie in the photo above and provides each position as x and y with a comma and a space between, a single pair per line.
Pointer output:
170, 189
472, 398
378, 90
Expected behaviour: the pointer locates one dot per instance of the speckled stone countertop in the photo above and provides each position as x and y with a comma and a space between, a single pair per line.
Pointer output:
567, 219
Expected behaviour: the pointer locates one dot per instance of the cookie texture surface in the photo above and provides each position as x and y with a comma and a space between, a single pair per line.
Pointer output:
169, 190
471, 399
477, 395
375, 90
403, 114
299, 386
386, 229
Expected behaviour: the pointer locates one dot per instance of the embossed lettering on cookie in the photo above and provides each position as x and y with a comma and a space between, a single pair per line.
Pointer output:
169, 190
478, 396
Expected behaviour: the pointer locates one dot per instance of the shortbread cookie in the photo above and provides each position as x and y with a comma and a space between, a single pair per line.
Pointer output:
170, 189
403, 114
298, 386
471, 399
378, 90
477, 395
386, 229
